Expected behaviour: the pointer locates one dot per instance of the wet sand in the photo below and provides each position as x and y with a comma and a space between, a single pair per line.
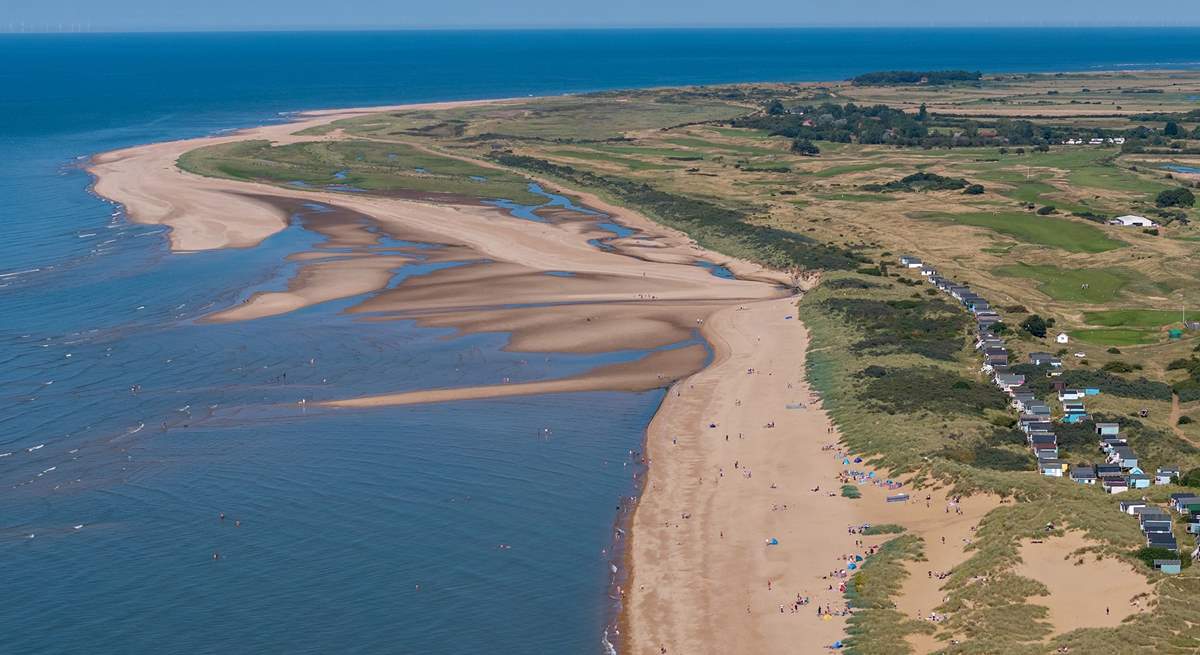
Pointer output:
699, 564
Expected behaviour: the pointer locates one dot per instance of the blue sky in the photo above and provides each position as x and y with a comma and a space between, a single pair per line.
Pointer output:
43, 15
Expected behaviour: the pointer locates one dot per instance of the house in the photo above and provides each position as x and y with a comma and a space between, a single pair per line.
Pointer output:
1162, 540
996, 357
1184, 503
1168, 566
1096, 142
1130, 220
1108, 429
1109, 471
1123, 456
1108, 443
1040, 358
1083, 474
1038, 408
1166, 474
927, 271
1008, 381
1073, 407
1114, 484
1055, 362
1055, 468
1139, 481
1129, 506
909, 261
1062, 337
1069, 394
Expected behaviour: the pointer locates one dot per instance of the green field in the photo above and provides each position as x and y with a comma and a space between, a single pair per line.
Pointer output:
1115, 336
1102, 285
1151, 318
1061, 233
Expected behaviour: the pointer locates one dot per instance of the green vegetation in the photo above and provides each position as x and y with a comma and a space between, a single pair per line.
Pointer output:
919, 182
1085, 285
1177, 197
887, 78
362, 165
1115, 336
884, 528
1054, 232
721, 228
1132, 317
930, 328
850, 491
876, 627
914, 389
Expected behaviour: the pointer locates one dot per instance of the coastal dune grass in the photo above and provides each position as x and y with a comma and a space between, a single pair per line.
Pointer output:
355, 165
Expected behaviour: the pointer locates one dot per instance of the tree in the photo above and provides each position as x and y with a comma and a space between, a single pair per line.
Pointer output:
1035, 325
974, 190
1178, 197
775, 108
805, 147
1172, 129
922, 113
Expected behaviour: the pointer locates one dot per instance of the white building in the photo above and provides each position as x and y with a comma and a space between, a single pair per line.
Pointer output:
1130, 220
1062, 337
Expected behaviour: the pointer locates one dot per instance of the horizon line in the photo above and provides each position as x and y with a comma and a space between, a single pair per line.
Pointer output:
69, 28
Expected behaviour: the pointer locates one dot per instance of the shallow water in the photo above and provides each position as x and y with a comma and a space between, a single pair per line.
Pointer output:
122, 413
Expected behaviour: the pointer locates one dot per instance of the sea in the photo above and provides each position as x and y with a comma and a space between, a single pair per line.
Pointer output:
128, 427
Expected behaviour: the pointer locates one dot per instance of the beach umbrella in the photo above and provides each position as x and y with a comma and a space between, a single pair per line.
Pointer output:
871, 474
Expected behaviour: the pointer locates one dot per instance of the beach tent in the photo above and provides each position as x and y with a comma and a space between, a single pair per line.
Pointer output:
846, 462
858, 558
836, 645
852, 566
857, 460
772, 541
871, 474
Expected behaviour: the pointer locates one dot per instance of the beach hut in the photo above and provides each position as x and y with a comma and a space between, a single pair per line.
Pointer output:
1168, 566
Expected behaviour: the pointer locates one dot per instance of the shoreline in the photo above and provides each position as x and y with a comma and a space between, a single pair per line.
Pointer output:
621, 298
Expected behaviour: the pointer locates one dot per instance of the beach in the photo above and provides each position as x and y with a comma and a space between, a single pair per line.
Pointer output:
739, 453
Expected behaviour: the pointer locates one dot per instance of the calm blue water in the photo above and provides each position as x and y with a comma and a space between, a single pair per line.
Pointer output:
125, 415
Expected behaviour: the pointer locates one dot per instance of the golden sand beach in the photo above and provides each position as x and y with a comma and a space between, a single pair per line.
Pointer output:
740, 451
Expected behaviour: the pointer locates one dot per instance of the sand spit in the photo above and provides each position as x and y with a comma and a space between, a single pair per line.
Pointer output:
720, 481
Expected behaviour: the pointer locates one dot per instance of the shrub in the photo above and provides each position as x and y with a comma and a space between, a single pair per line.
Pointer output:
928, 327
1046, 211
1114, 350
1118, 366
911, 390
974, 190
805, 147
850, 491
1177, 197
1185, 420
1035, 325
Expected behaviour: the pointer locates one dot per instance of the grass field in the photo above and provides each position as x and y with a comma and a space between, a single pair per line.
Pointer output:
1084, 285
1133, 317
1060, 233
1115, 336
